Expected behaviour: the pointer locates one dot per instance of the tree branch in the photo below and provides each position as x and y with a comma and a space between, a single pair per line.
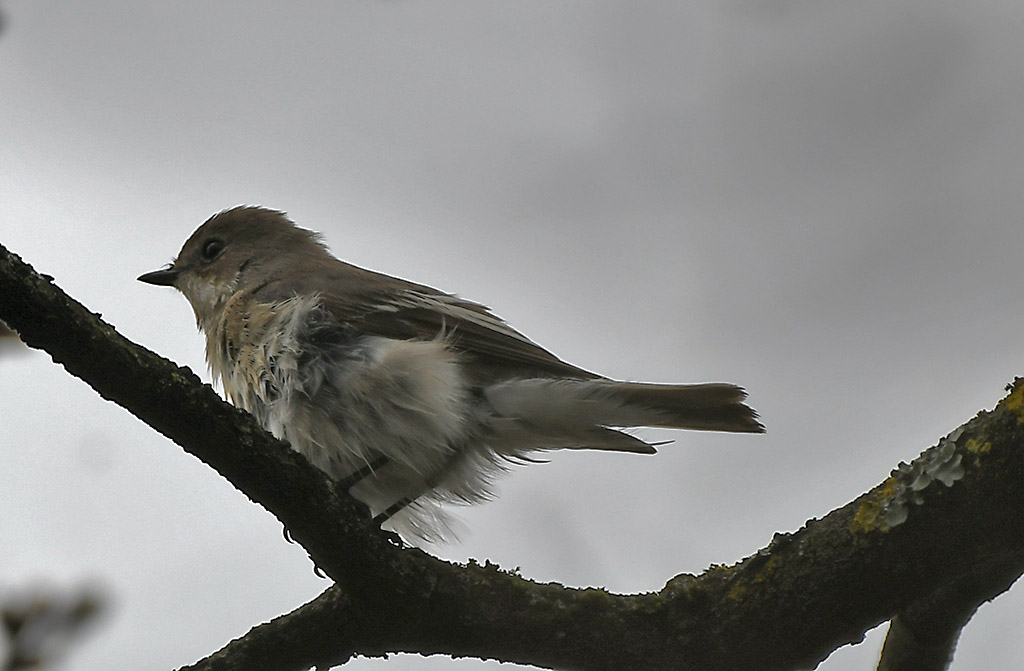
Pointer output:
955, 516
923, 636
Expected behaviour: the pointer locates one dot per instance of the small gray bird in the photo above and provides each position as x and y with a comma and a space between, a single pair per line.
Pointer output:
410, 397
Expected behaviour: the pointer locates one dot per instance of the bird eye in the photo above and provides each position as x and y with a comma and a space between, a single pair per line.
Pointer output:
212, 249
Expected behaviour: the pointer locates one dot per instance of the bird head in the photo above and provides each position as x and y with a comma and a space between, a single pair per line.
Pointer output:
239, 249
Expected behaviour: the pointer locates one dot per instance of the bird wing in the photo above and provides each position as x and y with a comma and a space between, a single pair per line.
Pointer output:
365, 302
470, 328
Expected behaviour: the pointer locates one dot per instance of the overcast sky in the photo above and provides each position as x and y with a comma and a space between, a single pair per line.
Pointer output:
817, 200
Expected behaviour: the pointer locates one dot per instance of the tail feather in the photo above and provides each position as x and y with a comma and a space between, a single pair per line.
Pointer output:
516, 433
586, 413
707, 407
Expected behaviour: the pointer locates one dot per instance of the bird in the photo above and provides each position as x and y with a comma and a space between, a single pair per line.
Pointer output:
409, 397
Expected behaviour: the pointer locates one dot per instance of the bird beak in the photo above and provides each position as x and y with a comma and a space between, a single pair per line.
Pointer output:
164, 277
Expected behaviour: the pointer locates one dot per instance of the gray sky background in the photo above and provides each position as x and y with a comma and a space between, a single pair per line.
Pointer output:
817, 200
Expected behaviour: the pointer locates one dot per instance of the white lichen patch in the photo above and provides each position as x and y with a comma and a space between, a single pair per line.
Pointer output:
909, 481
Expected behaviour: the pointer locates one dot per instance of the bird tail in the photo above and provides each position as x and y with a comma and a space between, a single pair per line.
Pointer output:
575, 414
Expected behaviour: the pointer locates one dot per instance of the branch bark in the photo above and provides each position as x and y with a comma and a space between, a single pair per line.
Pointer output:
946, 529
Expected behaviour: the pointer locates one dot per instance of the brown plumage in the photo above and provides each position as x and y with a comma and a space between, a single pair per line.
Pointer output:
413, 396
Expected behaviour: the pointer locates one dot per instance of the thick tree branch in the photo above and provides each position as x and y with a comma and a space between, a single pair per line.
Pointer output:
955, 516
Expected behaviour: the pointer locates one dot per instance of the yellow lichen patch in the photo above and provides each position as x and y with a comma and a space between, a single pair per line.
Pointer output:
870, 514
1015, 402
975, 446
